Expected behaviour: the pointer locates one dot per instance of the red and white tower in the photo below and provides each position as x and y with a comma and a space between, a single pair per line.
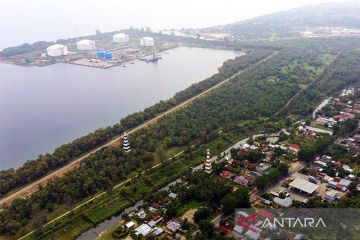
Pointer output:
208, 167
126, 145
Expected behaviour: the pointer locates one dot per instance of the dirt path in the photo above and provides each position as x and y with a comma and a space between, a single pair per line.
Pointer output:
33, 187
189, 214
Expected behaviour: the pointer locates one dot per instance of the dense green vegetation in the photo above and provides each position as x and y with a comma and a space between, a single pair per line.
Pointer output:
289, 23
31, 170
346, 127
310, 149
279, 170
237, 199
342, 72
25, 48
256, 95
211, 191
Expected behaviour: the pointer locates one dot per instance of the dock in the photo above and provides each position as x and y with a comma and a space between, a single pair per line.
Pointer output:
153, 58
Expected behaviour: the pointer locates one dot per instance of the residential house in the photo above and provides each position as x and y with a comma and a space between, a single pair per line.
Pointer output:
262, 168
157, 231
331, 195
253, 235
241, 180
141, 214
173, 225
249, 165
129, 224
226, 174
294, 148
283, 202
155, 220
172, 195
143, 229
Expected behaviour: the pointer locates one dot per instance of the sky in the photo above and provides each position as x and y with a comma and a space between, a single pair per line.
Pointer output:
33, 20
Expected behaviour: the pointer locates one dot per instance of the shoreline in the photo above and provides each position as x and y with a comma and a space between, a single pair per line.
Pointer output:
32, 187
73, 62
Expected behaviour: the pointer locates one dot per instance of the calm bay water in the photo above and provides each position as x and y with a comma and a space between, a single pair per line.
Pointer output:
44, 107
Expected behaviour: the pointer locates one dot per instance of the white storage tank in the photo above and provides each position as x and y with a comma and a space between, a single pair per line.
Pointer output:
57, 50
147, 42
85, 45
121, 38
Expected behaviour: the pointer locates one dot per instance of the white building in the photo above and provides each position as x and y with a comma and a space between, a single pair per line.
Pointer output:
85, 45
121, 38
129, 224
331, 195
303, 186
147, 42
57, 50
143, 229
286, 202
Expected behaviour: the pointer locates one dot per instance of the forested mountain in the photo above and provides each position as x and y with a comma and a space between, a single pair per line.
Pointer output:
288, 23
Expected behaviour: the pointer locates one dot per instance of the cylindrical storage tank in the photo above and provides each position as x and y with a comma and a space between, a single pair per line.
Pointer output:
57, 50
108, 55
100, 54
85, 45
147, 42
121, 38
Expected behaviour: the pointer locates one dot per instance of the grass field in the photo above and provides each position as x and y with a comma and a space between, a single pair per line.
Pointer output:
193, 204
112, 203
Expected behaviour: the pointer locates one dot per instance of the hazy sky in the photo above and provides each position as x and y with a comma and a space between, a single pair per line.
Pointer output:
32, 20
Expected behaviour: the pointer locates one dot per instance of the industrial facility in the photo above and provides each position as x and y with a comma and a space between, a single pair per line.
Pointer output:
85, 45
121, 38
57, 50
100, 51
147, 42
107, 55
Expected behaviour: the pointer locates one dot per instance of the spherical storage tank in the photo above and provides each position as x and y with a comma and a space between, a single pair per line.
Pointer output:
108, 55
57, 50
85, 45
121, 38
147, 41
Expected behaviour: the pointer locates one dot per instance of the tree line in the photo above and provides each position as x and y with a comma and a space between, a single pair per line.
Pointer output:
249, 96
34, 169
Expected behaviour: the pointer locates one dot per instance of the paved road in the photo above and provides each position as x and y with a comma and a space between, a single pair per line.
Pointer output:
321, 105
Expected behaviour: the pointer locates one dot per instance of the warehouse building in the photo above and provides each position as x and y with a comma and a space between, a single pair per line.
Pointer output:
304, 186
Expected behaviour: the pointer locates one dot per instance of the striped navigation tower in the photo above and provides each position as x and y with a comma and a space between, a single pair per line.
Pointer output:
126, 145
208, 167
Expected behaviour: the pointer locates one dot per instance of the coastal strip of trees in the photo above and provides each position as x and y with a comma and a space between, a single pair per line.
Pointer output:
34, 169
256, 93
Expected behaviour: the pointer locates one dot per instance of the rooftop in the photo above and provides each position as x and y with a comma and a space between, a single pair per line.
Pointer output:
304, 185
286, 202
143, 229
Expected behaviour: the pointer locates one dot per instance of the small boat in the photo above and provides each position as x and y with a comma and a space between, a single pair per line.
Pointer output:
155, 57
124, 65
